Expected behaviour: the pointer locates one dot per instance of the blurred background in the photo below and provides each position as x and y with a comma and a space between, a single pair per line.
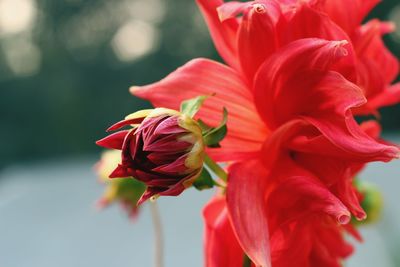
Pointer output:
65, 70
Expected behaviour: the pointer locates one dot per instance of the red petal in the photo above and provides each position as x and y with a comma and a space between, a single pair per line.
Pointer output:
123, 123
120, 172
167, 143
176, 167
257, 36
160, 158
175, 190
372, 128
113, 141
204, 77
221, 246
389, 97
308, 22
347, 135
324, 99
150, 192
337, 176
293, 59
349, 14
368, 44
298, 191
231, 9
245, 199
223, 33
169, 126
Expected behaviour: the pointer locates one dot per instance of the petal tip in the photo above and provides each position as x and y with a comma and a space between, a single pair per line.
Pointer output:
341, 50
259, 8
134, 89
344, 219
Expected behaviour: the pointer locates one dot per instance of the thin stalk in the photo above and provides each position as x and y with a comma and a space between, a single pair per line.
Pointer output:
218, 170
158, 235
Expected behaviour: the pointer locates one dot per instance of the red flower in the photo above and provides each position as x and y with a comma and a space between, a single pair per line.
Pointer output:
294, 81
164, 150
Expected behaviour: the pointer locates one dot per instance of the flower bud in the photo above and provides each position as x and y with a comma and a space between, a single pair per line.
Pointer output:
125, 191
164, 150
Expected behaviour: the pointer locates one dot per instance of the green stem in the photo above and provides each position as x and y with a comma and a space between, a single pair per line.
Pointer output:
246, 261
158, 235
218, 170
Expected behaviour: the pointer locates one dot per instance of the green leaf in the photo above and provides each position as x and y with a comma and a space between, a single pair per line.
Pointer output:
215, 135
204, 181
191, 107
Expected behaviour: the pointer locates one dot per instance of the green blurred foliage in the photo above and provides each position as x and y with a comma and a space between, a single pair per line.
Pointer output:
80, 90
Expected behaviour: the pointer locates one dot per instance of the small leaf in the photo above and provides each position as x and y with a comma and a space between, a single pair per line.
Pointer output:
204, 181
191, 107
215, 135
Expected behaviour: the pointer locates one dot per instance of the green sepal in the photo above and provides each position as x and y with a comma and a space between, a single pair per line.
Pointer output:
204, 181
192, 106
129, 189
204, 127
213, 136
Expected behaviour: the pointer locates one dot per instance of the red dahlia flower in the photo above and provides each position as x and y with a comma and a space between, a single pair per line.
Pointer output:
164, 150
297, 73
294, 79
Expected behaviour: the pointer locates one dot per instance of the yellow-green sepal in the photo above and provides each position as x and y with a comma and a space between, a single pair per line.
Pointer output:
192, 106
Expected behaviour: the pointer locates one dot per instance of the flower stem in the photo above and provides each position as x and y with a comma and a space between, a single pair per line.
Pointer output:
218, 170
158, 235
246, 261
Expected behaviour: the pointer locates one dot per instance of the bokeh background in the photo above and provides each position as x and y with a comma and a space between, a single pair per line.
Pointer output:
65, 70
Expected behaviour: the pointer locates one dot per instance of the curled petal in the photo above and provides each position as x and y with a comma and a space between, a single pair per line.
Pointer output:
301, 55
337, 175
298, 190
257, 35
347, 135
324, 99
309, 22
